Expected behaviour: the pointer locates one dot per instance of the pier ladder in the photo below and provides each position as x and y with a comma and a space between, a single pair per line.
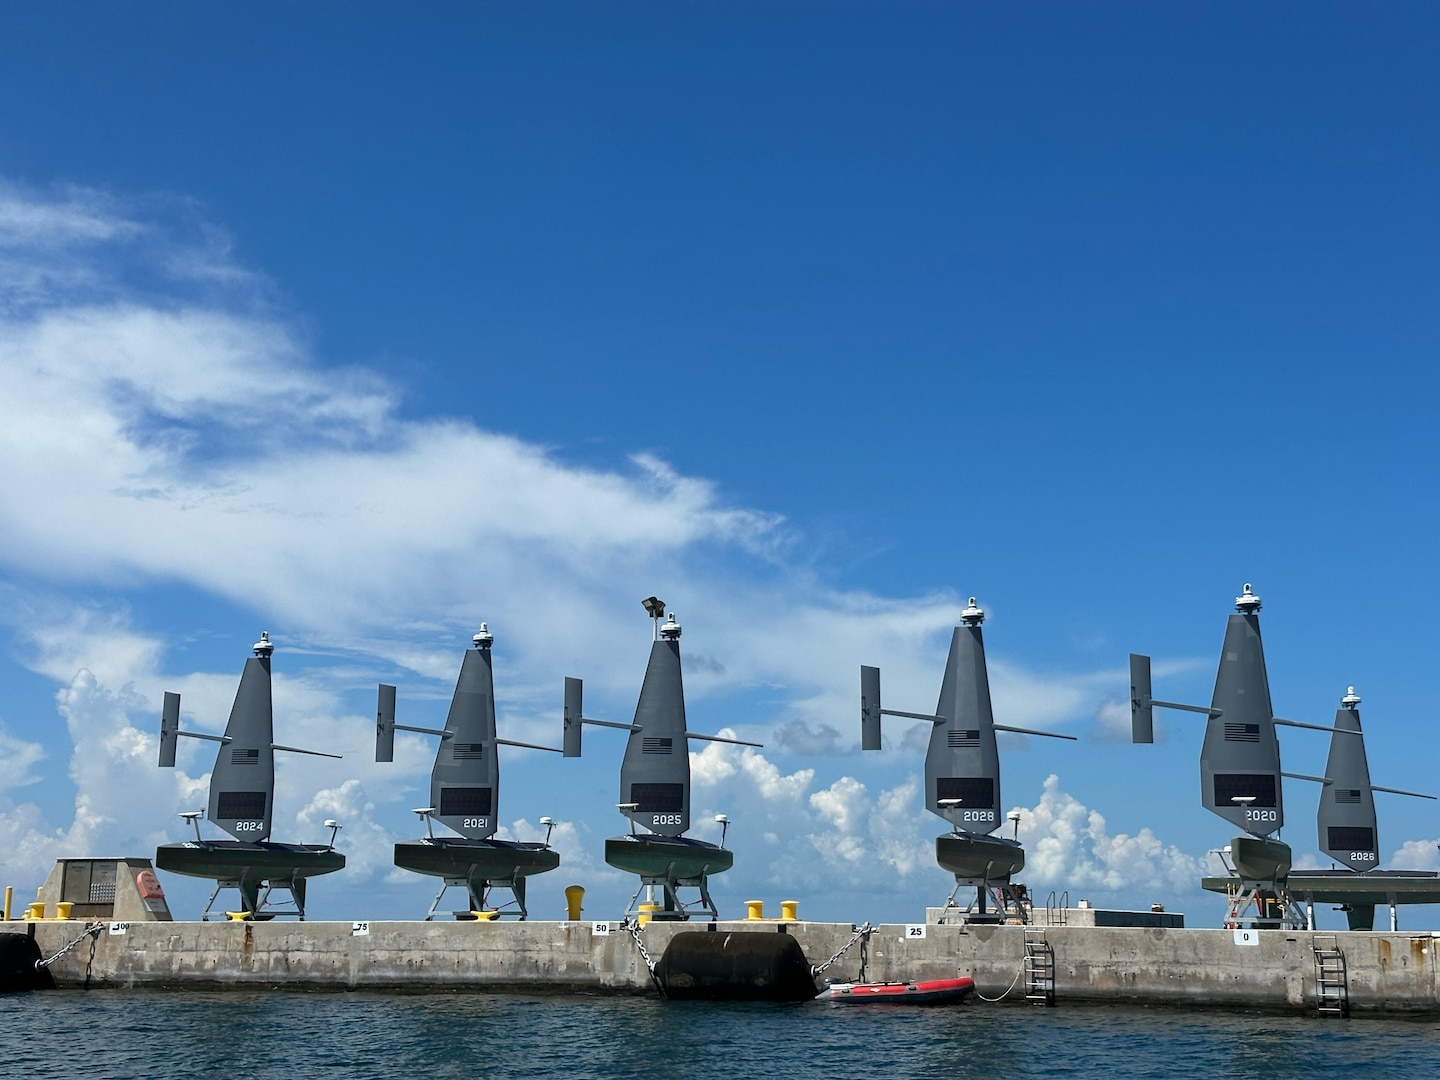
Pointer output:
1039, 968
1332, 983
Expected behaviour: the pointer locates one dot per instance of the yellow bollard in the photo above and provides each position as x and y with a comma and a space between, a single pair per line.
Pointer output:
63, 908
35, 911
573, 895
754, 909
790, 910
9, 892
484, 916
237, 916
646, 913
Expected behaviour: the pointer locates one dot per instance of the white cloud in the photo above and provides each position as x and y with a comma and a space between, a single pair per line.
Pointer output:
16, 758
368, 848
1416, 855
1067, 845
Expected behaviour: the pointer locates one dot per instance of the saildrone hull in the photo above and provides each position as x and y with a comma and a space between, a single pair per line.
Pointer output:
978, 859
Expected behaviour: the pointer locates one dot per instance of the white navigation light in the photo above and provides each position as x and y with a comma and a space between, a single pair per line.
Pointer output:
1247, 601
972, 615
671, 630
484, 639
723, 820
263, 648
1351, 699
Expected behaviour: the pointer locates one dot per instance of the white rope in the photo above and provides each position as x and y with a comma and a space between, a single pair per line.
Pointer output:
1012, 986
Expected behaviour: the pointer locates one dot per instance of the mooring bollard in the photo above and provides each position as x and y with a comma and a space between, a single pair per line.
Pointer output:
573, 895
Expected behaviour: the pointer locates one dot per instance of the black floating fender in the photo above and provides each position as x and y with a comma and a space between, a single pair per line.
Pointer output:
738, 966
18, 956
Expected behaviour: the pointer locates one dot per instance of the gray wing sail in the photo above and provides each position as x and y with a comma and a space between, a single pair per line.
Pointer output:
1346, 820
962, 761
655, 773
242, 786
465, 783
1240, 758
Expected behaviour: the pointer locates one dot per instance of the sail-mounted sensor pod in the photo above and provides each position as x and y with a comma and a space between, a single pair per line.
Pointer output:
962, 774
465, 796
655, 783
242, 797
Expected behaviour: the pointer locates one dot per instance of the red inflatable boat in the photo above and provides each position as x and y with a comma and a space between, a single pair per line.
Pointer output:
926, 992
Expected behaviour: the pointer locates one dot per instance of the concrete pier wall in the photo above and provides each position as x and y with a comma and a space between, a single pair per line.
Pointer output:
1391, 972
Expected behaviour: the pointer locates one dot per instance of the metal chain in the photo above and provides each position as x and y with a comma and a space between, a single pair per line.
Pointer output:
93, 929
634, 930
860, 934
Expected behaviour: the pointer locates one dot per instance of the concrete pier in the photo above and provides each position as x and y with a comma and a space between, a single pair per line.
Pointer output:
1223, 968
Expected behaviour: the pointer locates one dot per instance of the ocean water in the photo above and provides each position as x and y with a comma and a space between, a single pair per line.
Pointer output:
260, 1034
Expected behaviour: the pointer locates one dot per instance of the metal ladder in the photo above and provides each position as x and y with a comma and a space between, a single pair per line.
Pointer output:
1332, 983
1039, 968
1055, 909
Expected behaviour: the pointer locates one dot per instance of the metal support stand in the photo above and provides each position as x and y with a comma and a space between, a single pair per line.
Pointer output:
255, 897
1011, 902
674, 908
478, 891
1274, 909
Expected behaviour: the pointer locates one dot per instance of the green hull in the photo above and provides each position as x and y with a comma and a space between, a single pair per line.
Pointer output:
232, 860
673, 858
1259, 860
976, 859
474, 860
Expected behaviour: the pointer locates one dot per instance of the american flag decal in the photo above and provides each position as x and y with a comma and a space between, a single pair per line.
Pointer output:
963, 738
1242, 733
469, 751
1347, 795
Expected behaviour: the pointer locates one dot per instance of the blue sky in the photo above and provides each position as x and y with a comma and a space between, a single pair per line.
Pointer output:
362, 326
